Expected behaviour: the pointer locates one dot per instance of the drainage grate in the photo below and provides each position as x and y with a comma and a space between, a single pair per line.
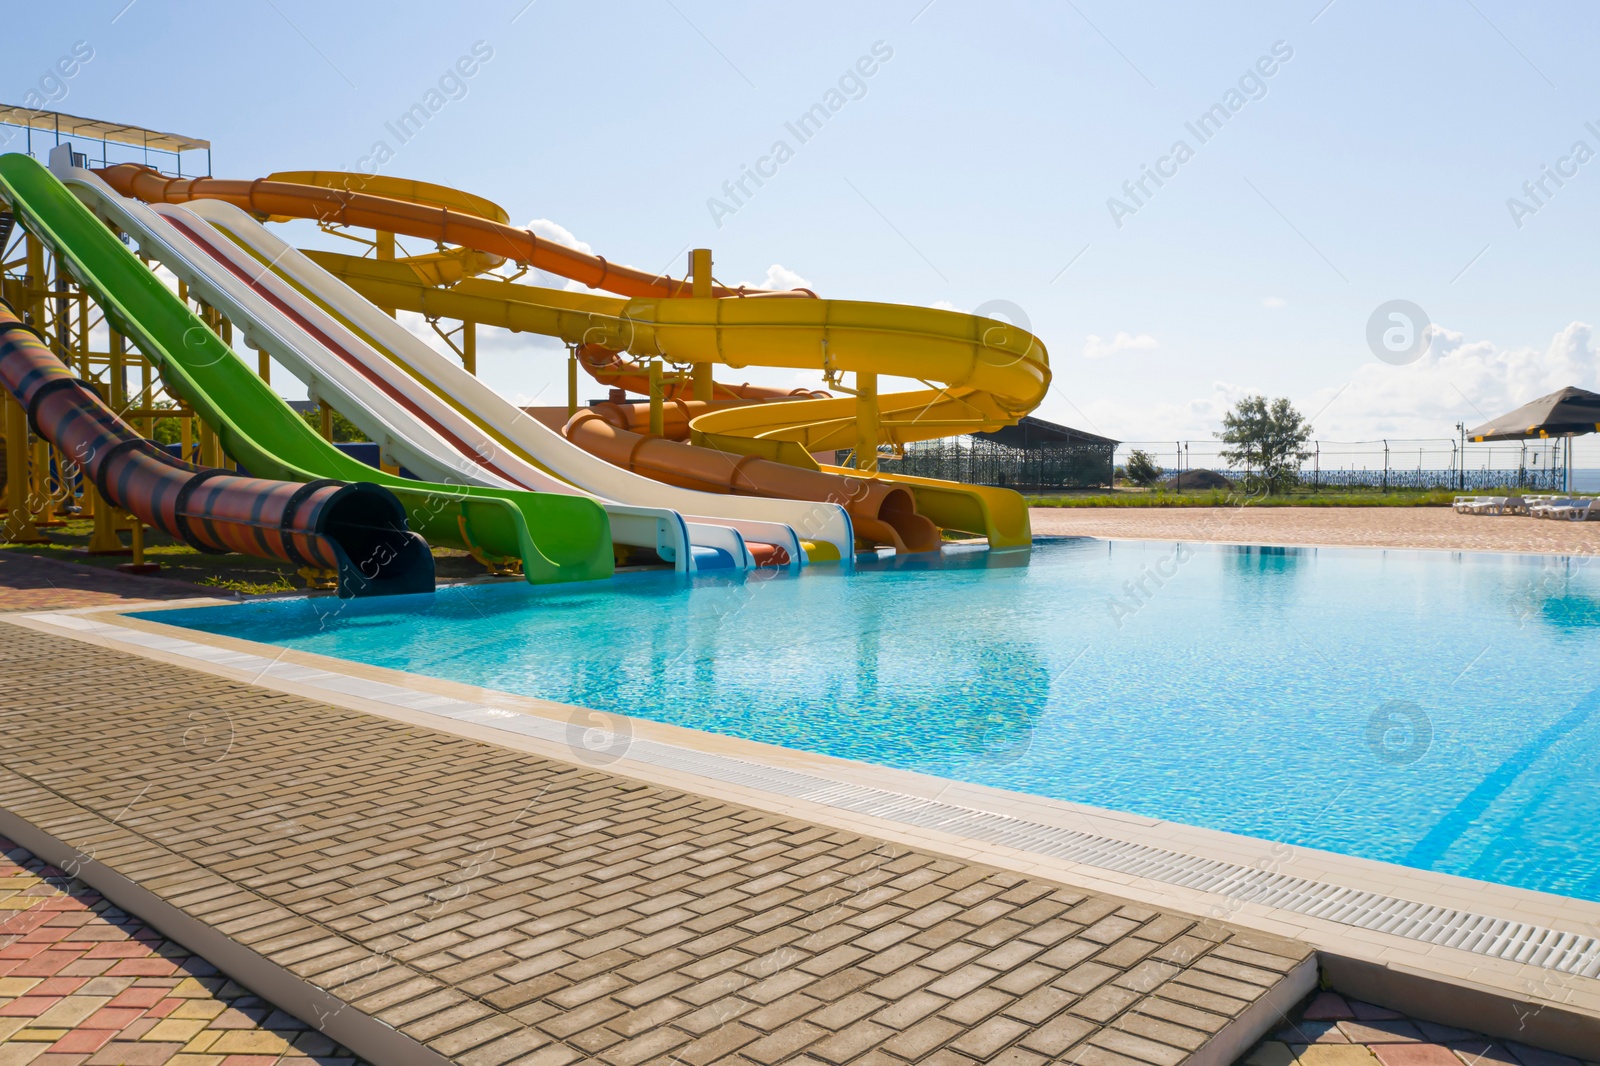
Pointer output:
1481, 934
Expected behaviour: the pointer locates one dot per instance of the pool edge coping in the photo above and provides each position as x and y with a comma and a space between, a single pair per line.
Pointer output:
1559, 998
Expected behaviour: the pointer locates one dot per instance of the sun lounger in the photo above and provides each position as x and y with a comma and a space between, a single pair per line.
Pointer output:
1497, 505
1572, 510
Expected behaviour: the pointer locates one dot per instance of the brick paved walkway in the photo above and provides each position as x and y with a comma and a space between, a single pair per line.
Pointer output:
28, 582
500, 907
1381, 527
1331, 1030
82, 982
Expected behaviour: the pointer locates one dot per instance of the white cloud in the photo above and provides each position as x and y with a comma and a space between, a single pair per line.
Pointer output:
555, 231
1095, 348
1274, 302
778, 277
1455, 380
945, 305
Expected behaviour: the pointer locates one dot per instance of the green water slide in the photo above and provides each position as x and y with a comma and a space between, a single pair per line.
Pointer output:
555, 537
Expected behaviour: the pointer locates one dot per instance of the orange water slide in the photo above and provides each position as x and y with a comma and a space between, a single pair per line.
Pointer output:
881, 513
345, 207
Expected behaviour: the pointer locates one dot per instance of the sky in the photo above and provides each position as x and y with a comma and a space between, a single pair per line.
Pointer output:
1355, 153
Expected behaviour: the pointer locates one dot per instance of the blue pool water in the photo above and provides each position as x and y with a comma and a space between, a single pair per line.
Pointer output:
1432, 709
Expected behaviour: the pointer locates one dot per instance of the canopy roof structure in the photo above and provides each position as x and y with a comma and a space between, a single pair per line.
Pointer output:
56, 122
1567, 412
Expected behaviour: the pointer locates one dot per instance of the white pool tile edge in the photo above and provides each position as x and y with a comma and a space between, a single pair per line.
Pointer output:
1533, 946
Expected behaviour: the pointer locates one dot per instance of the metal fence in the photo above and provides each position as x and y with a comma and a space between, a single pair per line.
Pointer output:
1382, 464
976, 461
1437, 463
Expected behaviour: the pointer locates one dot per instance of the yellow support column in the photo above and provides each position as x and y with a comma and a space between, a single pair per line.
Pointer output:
186, 438
700, 276
20, 526
119, 372
866, 422
572, 382
325, 415
103, 538
147, 425
264, 366
42, 497
138, 566
469, 347
658, 414
385, 251
224, 329
83, 336
210, 447
700, 273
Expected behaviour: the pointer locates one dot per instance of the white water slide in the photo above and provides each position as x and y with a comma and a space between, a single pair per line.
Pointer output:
336, 365
396, 350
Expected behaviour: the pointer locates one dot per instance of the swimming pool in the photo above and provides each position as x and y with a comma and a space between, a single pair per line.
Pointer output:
1437, 710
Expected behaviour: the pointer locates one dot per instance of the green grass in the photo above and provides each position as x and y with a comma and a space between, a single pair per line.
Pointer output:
248, 588
1234, 498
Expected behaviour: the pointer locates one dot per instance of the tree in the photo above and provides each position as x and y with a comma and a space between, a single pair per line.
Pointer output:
1268, 441
1142, 469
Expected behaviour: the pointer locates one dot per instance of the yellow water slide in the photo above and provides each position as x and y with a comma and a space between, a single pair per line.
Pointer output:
979, 374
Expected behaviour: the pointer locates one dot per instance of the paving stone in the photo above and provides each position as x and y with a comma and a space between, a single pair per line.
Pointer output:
1104, 1003
1332, 1055
1419, 1055
1056, 1036
1309, 1032
1269, 1053
510, 909
1395, 1031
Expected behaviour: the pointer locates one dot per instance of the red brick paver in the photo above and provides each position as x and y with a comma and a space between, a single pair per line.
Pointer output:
1331, 1030
31, 582
81, 982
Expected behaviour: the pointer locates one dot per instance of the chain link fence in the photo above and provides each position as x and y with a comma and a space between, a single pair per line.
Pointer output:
1429, 463
977, 461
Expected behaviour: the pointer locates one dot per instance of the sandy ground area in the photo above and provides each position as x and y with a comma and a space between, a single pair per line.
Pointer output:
1377, 527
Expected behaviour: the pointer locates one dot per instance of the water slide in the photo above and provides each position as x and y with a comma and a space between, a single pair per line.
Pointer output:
880, 513
554, 537
357, 530
412, 425
449, 392
989, 373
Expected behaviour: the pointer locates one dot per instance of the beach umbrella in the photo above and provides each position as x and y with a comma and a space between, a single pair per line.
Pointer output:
1567, 412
